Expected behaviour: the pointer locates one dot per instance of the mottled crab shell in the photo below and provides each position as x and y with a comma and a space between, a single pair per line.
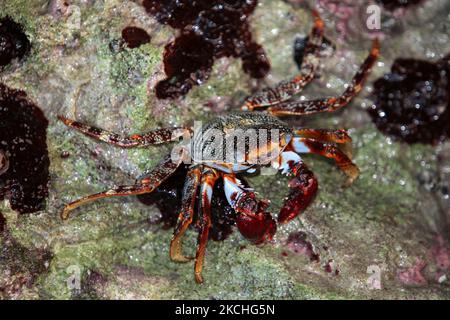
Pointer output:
205, 147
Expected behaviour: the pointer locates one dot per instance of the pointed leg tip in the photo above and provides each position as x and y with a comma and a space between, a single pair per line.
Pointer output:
199, 278
351, 179
180, 258
347, 183
64, 215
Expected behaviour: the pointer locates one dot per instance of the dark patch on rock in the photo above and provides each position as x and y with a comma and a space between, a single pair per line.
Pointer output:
23, 135
210, 29
396, 4
14, 43
327, 48
412, 102
135, 37
2, 223
92, 286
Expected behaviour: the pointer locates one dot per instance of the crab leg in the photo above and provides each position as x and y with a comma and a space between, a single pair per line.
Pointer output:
333, 103
153, 137
253, 222
334, 136
186, 215
286, 89
303, 186
209, 179
305, 145
325, 135
152, 181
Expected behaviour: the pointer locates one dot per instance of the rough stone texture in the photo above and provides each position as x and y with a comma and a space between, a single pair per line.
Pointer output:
393, 222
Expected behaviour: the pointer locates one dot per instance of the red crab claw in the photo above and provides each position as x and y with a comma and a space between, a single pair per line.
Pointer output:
253, 222
303, 189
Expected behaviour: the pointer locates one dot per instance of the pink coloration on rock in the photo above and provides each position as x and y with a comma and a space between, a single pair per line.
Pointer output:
350, 18
297, 243
413, 275
440, 253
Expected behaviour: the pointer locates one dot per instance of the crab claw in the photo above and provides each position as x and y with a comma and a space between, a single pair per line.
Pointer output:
253, 222
303, 189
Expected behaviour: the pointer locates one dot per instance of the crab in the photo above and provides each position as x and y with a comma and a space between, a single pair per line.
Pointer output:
259, 112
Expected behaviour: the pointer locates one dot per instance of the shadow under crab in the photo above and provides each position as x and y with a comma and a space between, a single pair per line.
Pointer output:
281, 152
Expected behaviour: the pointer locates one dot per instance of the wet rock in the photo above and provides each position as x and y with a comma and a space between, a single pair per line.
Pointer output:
384, 222
21, 266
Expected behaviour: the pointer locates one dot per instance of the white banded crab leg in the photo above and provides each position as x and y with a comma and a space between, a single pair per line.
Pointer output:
252, 220
208, 181
286, 89
307, 145
186, 215
303, 186
164, 170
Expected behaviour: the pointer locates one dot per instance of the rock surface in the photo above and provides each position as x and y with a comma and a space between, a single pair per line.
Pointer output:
387, 236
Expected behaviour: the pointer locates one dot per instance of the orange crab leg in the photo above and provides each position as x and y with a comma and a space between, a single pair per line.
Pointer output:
153, 137
333, 103
152, 181
186, 215
286, 89
305, 145
209, 179
334, 136
325, 135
